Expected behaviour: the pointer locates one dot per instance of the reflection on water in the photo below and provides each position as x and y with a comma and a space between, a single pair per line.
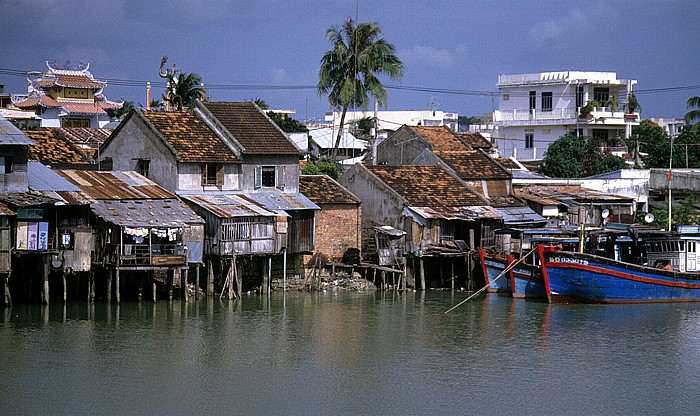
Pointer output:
350, 353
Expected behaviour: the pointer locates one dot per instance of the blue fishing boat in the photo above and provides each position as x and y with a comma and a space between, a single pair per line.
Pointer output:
493, 266
524, 279
665, 268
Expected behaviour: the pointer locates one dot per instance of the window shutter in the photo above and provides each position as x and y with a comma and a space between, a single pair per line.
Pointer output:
220, 174
280, 176
258, 177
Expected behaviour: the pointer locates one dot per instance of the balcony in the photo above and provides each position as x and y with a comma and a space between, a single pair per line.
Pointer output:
563, 116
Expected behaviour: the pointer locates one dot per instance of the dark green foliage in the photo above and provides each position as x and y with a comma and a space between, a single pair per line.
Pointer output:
323, 168
119, 113
287, 124
692, 117
577, 157
686, 150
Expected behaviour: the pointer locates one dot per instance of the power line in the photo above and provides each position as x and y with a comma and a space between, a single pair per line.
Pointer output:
270, 87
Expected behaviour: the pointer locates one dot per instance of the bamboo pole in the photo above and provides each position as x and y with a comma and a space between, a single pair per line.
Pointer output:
503, 273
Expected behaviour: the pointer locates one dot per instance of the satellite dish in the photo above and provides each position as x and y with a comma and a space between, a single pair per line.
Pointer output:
605, 213
649, 218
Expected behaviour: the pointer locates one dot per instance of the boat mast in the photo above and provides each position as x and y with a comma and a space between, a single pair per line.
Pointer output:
670, 179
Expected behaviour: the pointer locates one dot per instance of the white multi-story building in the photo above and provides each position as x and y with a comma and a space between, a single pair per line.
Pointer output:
672, 126
390, 121
535, 110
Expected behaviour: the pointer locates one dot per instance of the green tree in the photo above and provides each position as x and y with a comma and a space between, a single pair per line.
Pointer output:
287, 124
119, 113
182, 90
686, 151
577, 157
261, 103
349, 70
692, 117
329, 168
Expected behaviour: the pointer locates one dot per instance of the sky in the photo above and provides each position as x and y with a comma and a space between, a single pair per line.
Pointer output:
453, 51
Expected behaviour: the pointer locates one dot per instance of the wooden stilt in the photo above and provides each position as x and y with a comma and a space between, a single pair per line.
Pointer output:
6, 285
183, 277
109, 285
210, 278
91, 285
422, 273
117, 286
65, 286
452, 273
196, 282
229, 280
171, 283
45, 281
383, 274
237, 276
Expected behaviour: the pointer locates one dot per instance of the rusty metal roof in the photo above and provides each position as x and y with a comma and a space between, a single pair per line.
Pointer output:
277, 200
229, 206
463, 213
5, 209
115, 185
146, 213
27, 199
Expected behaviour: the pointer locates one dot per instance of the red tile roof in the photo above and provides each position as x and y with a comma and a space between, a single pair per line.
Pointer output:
251, 128
322, 189
191, 138
440, 138
51, 147
82, 108
426, 186
473, 164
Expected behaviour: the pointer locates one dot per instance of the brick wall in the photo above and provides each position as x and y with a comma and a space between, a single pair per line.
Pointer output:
337, 229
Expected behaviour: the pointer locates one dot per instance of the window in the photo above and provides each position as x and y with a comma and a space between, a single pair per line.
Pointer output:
75, 123
600, 137
579, 96
142, 166
533, 99
506, 97
269, 177
212, 174
601, 95
529, 140
546, 101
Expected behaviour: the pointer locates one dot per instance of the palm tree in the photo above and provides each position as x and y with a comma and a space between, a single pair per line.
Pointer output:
349, 69
693, 116
183, 90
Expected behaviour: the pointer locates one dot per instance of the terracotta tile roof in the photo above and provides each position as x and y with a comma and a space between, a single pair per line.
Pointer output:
191, 138
508, 163
251, 128
85, 139
82, 108
472, 164
565, 194
115, 185
76, 81
475, 140
426, 186
42, 100
51, 147
440, 138
322, 189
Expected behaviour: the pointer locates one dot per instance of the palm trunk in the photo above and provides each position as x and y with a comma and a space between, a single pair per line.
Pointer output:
334, 153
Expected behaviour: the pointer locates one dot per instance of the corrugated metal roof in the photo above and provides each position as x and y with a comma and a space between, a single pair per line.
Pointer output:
76, 198
5, 209
278, 200
470, 213
27, 199
41, 178
519, 215
115, 185
325, 139
229, 206
148, 213
9, 134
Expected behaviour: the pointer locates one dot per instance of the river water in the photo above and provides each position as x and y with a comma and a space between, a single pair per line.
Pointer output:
350, 353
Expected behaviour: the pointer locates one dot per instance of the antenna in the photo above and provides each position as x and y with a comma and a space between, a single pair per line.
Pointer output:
649, 218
